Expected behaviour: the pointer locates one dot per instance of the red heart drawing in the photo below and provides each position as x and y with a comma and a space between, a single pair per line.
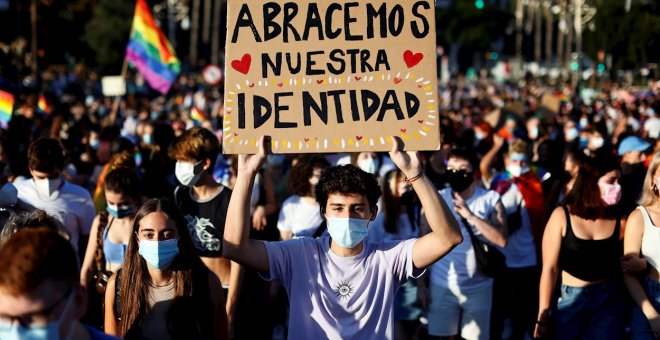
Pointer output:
357, 78
420, 121
228, 110
280, 84
358, 137
397, 80
420, 86
412, 59
242, 65
306, 139
403, 130
235, 134
319, 81
251, 85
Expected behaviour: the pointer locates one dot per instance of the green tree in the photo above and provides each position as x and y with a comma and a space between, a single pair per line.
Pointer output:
632, 38
107, 32
472, 27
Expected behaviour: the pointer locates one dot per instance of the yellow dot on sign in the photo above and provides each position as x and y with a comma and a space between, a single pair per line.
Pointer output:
416, 135
412, 75
229, 95
253, 142
272, 82
430, 107
284, 142
336, 141
388, 139
405, 136
272, 143
350, 141
425, 128
428, 88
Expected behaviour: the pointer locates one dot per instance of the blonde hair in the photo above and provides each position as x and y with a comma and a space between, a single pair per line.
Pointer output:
517, 146
649, 190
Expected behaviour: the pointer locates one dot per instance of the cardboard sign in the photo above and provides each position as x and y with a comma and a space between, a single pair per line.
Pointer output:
113, 86
330, 76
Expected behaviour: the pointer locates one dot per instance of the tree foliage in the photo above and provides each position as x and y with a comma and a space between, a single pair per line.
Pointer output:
107, 32
472, 28
632, 38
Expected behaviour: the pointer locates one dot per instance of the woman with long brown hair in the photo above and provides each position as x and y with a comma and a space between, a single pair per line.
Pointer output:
162, 290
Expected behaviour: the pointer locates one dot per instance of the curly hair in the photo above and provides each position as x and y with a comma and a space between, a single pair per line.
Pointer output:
302, 171
347, 179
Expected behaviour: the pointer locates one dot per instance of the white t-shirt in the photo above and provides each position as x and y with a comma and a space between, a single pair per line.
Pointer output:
652, 127
520, 250
299, 217
378, 233
335, 297
458, 269
71, 204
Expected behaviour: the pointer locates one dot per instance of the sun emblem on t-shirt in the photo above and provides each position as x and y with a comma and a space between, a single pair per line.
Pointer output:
344, 290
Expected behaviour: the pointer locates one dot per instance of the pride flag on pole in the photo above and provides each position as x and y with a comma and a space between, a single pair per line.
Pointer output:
6, 107
42, 105
197, 115
150, 51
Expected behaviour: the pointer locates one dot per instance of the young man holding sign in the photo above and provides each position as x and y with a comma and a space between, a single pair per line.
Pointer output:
342, 286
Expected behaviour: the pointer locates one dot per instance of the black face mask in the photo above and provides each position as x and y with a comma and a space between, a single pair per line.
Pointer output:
459, 180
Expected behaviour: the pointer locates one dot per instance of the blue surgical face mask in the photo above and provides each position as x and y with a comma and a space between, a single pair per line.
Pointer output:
159, 254
94, 144
347, 232
16, 331
119, 211
146, 139
369, 165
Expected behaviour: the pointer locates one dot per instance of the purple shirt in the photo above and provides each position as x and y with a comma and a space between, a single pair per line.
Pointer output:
339, 297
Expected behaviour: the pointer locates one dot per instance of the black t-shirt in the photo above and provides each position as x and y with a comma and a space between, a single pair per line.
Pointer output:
206, 220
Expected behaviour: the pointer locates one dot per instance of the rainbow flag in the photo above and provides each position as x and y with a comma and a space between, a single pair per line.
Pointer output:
42, 105
150, 51
197, 115
6, 107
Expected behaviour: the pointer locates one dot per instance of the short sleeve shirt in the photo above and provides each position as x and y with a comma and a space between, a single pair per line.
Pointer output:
340, 297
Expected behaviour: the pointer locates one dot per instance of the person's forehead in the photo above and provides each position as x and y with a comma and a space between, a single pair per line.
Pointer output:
157, 221
45, 296
454, 162
114, 196
347, 199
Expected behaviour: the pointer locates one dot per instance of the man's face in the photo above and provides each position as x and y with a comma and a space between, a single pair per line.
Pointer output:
349, 206
47, 304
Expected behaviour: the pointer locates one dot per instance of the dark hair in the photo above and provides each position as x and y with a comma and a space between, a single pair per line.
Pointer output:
31, 257
30, 220
302, 171
464, 154
46, 155
188, 271
393, 203
120, 145
124, 181
584, 198
346, 179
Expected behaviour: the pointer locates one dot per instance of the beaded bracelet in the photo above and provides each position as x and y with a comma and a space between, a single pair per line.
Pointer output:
411, 180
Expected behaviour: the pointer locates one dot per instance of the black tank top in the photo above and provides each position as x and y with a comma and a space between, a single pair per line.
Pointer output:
590, 260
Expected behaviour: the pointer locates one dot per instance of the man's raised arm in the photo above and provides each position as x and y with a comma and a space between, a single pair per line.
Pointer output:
446, 232
237, 245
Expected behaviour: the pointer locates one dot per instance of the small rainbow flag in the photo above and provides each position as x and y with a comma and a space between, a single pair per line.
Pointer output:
150, 51
197, 115
6, 107
42, 105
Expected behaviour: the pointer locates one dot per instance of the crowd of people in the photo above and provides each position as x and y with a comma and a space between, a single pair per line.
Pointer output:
123, 218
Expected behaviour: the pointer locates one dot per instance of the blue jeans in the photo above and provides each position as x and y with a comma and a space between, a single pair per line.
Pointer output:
596, 311
640, 328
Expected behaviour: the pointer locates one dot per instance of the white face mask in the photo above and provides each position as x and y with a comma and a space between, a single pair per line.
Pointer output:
8, 195
597, 142
369, 165
534, 132
517, 170
47, 186
185, 173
